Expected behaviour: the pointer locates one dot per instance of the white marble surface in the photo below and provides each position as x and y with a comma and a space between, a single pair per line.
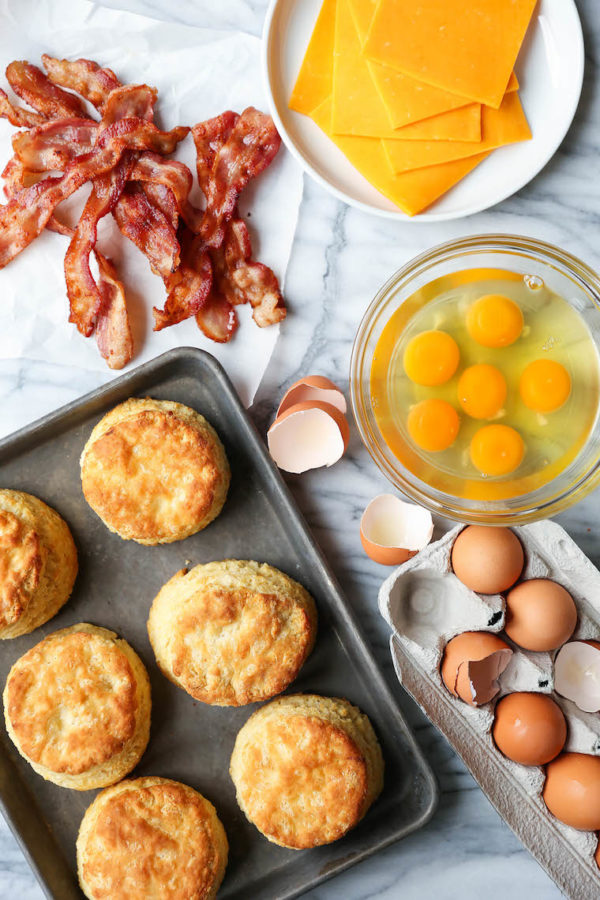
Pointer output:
340, 258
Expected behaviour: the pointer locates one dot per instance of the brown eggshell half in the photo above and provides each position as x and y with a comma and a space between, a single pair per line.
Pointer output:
392, 531
577, 674
313, 388
308, 436
471, 665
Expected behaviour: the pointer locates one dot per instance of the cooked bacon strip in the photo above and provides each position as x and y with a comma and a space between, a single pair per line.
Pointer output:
27, 212
16, 115
54, 144
31, 85
217, 318
149, 229
249, 149
129, 100
164, 200
155, 169
209, 138
83, 76
113, 332
84, 297
188, 286
243, 281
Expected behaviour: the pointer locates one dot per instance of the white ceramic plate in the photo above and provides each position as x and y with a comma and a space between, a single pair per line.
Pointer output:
550, 71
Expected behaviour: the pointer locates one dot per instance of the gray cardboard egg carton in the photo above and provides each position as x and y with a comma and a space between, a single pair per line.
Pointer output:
426, 605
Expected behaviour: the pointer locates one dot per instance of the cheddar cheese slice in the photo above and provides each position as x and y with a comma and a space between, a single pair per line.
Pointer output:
467, 47
358, 108
412, 191
506, 125
313, 84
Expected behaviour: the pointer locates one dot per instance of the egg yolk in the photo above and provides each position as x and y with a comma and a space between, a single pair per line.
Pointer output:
431, 358
545, 385
433, 425
497, 450
494, 321
482, 391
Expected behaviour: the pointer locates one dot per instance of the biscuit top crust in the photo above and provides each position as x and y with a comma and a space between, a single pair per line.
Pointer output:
20, 566
151, 474
151, 841
71, 701
305, 780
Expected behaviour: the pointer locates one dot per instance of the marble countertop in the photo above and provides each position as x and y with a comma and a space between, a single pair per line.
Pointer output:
340, 258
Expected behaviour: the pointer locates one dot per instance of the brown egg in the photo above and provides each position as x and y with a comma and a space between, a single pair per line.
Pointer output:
529, 728
540, 615
572, 790
471, 665
597, 855
488, 560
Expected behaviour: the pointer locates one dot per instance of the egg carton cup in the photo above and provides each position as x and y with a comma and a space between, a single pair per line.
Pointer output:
426, 605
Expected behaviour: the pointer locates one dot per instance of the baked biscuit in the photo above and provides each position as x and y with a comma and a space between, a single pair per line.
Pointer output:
77, 707
151, 837
306, 769
154, 471
38, 563
232, 632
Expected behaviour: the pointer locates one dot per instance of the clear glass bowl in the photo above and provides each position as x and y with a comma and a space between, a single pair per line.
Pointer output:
564, 274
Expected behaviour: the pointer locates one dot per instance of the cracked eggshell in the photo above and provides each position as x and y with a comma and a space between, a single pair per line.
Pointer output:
471, 665
392, 531
577, 674
308, 436
313, 388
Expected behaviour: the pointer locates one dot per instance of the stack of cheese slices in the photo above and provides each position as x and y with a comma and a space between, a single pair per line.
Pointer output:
416, 93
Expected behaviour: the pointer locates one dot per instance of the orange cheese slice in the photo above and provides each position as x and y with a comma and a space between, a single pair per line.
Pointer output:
358, 109
467, 47
506, 125
412, 191
313, 84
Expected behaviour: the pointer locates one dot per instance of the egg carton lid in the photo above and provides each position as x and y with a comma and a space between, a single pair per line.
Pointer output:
409, 600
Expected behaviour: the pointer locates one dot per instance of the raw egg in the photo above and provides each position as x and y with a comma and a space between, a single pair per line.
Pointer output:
529, 728
431, 358
545, 386
471, 665
540, 615
482, 391
497, 450
572, 790
488, 560
433, 424
494, 321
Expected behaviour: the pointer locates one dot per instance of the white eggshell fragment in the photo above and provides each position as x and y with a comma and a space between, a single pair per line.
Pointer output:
311, 388
308, 436
577, 675
392, 531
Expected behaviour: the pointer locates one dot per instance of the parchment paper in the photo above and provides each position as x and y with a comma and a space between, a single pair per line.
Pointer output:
199, 73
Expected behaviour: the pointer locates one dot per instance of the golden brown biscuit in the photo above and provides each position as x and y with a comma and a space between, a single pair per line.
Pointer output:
306, 769
151, 837
232, 632
154, 471
77, 707
38, 563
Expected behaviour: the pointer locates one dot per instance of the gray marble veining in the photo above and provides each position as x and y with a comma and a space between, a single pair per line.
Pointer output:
339, 260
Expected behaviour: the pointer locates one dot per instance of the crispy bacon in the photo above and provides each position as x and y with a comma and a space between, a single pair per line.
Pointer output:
217, 318
54, 144
163, 199
149, 229
130, 100
245, 281
16, 115
83, 76
28, 211
249, 149
31, 85
155, 169
209, 138
84, 297
113, 332
188, 286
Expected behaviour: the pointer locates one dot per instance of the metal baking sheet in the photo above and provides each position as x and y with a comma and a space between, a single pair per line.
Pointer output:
190, 741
